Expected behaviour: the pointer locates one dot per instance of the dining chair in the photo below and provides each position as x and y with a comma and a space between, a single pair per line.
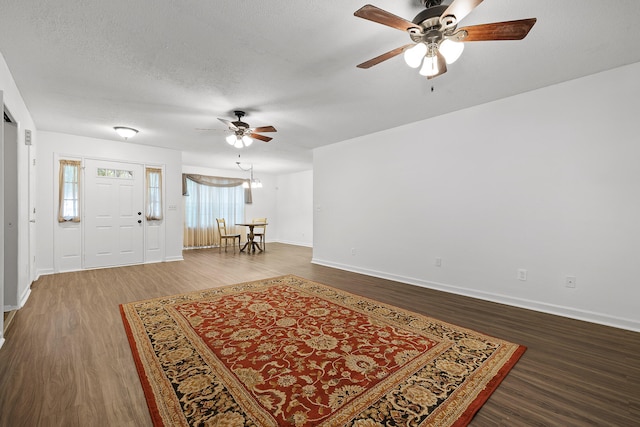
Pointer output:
222, 230
259, 231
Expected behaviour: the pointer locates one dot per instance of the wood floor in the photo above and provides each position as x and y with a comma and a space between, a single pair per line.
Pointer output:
66, 360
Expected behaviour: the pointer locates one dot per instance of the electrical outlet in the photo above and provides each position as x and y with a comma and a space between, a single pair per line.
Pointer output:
522, 274
353, 251
570, 281
438, 262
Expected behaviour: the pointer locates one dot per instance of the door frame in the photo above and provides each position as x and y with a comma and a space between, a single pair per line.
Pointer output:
2, 220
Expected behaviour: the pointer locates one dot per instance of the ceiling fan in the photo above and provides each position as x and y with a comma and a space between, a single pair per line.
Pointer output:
437, 40
242, 134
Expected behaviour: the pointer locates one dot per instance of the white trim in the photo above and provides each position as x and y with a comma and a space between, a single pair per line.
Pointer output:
289, 242
25, 297
50, 271
572, 313
44, 272
1, 342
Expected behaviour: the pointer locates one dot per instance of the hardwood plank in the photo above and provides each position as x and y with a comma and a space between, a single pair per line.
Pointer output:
67, 362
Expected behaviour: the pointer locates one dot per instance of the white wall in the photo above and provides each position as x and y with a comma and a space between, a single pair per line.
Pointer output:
295, 208
16, 106
545, 181
58, 243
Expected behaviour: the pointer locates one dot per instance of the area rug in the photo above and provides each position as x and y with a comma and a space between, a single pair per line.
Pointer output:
288, 351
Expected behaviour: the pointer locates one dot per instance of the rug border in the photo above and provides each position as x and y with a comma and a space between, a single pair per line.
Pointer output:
491, 387
463, 420
154, 411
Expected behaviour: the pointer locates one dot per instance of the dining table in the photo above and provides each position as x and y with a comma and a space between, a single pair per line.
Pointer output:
251, 244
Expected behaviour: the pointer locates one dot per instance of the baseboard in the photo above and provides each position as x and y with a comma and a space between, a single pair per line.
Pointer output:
174, 258
25, 297
289, 242
569, 312
1, 342
44, 272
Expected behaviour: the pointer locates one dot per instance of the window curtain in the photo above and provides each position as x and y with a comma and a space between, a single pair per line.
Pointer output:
154, 194
218, 181
69, 191
209, 198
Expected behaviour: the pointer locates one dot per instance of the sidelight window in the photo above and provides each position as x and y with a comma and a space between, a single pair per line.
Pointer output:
154, 194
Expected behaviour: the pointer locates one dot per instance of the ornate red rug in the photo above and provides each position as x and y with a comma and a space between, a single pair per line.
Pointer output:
288, 351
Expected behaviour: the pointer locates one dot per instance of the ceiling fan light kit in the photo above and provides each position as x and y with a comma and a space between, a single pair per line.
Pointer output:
430, 66
451, 50
239, 141
437, 40
413, 56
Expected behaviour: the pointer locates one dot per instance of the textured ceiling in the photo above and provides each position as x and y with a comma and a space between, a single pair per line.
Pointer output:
169, 67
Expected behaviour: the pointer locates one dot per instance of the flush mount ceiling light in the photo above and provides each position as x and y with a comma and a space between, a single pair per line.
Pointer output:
254, 182
125, 132
437, 40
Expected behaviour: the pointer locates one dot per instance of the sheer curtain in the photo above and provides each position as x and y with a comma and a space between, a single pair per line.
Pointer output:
154, 194
208, 198
69, 191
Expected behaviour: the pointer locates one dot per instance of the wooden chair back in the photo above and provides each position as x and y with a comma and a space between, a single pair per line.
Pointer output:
222, 226
259, 229
224, 235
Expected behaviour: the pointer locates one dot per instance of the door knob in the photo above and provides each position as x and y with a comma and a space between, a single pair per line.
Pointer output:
139, 221
139, 213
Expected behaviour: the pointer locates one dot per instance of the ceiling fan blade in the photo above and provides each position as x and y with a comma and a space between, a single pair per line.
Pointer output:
460, 9
229, 124
378, 59
375, 14
442, 66
264, 129
508, 30
260, 137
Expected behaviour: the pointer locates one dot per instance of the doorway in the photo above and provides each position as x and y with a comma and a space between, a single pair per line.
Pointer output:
10, 223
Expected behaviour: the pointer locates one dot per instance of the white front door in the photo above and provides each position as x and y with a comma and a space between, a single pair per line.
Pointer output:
113, 213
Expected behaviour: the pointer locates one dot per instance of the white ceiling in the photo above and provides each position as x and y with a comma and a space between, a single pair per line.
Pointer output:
169, 67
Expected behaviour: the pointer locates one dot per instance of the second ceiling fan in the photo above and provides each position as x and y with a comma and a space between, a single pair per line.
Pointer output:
242, 134
437, 40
